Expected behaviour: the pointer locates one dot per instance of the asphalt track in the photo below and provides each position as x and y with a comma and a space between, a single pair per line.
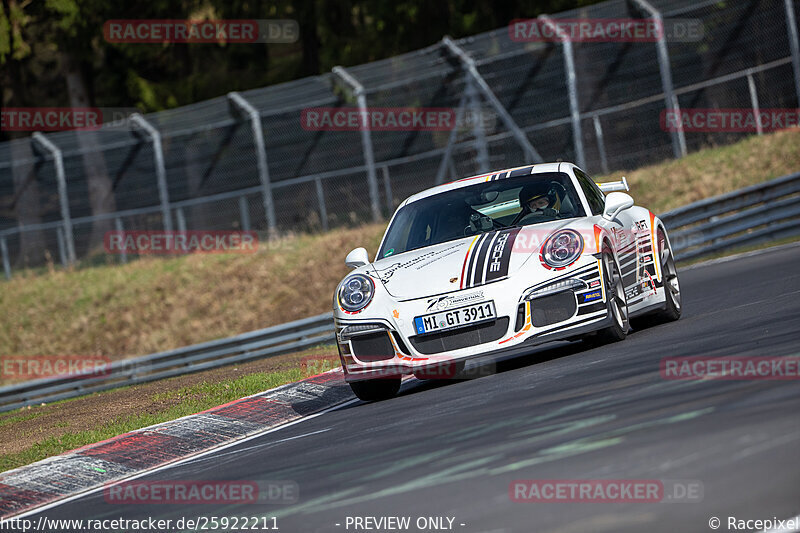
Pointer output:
566, 412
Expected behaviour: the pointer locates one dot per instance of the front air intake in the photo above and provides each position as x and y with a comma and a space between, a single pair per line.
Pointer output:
553, 309
373, 347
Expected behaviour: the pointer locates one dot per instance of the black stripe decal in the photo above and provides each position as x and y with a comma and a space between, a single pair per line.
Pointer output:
500, 256
520, 172
480, 257
471, 261
485, 263
625, 248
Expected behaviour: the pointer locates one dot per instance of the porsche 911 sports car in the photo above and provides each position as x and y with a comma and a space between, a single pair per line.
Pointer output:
494, 264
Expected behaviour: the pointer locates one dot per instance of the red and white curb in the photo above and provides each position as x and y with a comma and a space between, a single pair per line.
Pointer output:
78, 471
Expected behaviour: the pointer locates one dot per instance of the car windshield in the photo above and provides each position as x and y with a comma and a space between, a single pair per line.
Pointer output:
486, 206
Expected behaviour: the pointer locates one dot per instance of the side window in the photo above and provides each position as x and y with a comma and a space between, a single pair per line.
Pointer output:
593, 194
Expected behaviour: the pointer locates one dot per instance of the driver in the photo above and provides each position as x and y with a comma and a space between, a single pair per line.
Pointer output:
539, 200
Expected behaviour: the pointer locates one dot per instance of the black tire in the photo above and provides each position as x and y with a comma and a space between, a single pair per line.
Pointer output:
672, 287
616, 303
375, 390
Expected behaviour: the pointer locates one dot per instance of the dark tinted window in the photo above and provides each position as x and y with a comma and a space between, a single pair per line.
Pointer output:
593, 193
476, 209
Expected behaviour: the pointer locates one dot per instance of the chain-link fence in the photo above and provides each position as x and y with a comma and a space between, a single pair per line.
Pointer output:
251, 161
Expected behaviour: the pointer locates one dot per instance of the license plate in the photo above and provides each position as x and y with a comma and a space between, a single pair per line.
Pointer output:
455, 318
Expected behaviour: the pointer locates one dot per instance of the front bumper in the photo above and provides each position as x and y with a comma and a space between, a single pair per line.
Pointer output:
384, 343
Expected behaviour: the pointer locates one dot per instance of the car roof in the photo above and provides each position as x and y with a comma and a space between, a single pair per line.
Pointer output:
497, 174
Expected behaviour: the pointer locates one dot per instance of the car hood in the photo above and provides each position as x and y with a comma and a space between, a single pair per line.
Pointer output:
461, 264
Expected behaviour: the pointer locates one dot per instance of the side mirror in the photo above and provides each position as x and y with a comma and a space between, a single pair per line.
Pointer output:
615, 203
358, 258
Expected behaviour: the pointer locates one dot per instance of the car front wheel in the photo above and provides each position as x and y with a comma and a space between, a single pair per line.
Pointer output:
616, 303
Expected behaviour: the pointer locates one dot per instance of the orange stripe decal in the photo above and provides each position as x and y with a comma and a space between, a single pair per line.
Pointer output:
602, 281
657, 262
597, 231
464, 266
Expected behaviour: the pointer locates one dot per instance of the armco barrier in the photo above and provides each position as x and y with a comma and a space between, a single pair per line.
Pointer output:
275, 340
748, 216
755, 214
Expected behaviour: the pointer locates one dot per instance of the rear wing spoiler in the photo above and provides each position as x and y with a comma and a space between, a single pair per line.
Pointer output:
612, 186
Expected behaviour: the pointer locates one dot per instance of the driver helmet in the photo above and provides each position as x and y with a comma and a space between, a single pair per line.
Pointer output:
535, 191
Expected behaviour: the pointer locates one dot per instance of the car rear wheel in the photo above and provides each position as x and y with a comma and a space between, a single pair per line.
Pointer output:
374, 390
616, 303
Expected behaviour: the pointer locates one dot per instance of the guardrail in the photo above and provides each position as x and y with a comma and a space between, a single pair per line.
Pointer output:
275, 340
748, 216
755, 214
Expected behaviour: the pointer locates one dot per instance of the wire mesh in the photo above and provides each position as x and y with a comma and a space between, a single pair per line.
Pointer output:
318, 177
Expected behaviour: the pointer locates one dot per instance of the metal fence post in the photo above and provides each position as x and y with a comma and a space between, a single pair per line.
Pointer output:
179, 216
261, 158
751, 85
61, 179
572, 91
794, 44
451, 140
387, 188
6, 262
366, 138
678, 136
123, 254
601, 145
472, 70
244, 213
323, 211
62, 254
158, 159
481, 147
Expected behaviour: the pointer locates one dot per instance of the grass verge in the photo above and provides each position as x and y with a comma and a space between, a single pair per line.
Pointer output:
38, 432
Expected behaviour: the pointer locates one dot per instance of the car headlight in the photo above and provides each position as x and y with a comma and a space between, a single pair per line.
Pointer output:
562, 248
356, 292
555, 288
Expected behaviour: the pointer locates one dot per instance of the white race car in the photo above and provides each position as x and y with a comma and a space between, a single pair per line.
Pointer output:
494, 264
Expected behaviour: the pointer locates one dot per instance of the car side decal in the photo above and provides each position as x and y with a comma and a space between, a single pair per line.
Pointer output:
466, 260
488, 260
471, 254
655, 247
